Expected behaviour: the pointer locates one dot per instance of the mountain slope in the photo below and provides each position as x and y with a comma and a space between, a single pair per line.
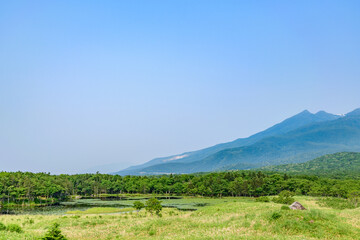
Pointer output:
300, 145
343, 164
302, 119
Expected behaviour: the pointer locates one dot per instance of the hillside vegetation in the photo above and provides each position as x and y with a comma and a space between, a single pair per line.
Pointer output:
338, 165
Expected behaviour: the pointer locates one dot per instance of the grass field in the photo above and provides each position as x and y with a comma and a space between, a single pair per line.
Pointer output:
227, 218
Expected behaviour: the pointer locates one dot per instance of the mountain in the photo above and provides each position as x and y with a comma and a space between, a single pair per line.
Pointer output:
343, 164
300, 145
354, 113
179, 161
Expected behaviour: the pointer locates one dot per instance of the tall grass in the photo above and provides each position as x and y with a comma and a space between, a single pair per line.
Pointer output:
231, 218
337, 203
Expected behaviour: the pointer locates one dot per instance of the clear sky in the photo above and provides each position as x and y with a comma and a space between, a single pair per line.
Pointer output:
88, 83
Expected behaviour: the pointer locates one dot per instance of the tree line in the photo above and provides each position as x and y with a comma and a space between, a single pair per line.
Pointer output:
27, 187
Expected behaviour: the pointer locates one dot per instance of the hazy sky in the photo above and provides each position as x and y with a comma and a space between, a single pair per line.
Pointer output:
87, 83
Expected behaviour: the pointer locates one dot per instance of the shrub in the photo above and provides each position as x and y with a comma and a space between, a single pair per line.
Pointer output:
262, 199
285, 208
275, 216
152, 232
14, 228
153, 205
354, 198
2, 226
285, 197
138, 205
54, 233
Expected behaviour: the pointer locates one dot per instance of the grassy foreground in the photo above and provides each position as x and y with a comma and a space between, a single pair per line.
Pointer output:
235, 218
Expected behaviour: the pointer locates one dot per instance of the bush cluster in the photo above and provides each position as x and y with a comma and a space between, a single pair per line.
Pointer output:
14, 228
263, 199
2, 227
10, 228
285, 197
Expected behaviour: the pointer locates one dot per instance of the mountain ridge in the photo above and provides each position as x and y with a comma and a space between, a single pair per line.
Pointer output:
299, 120
301, 145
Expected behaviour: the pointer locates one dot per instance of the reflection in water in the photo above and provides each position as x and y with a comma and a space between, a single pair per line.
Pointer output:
86, 203
44, 210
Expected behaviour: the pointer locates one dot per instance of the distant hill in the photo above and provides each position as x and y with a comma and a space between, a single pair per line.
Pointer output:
287, 142
177, 161
341, 165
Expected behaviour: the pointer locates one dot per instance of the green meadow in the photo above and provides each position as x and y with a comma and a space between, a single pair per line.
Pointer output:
215, 218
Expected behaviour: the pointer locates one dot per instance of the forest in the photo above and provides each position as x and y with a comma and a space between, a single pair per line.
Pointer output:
342, 165
44, 188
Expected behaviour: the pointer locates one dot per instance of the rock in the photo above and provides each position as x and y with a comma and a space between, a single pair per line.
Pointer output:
297, 206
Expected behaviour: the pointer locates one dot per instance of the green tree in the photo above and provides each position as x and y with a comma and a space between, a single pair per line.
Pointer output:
153, 205
54, 233
138, 205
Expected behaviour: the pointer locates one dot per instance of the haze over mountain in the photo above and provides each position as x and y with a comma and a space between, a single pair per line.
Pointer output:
297, 139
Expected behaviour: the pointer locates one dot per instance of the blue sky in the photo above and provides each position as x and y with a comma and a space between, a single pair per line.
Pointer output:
87, 83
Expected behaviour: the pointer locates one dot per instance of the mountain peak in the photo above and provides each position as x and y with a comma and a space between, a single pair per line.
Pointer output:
319, 116
323, 114
356, 112
304, 113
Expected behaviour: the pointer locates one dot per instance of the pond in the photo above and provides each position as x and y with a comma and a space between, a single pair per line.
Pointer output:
44, 210
181, 203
